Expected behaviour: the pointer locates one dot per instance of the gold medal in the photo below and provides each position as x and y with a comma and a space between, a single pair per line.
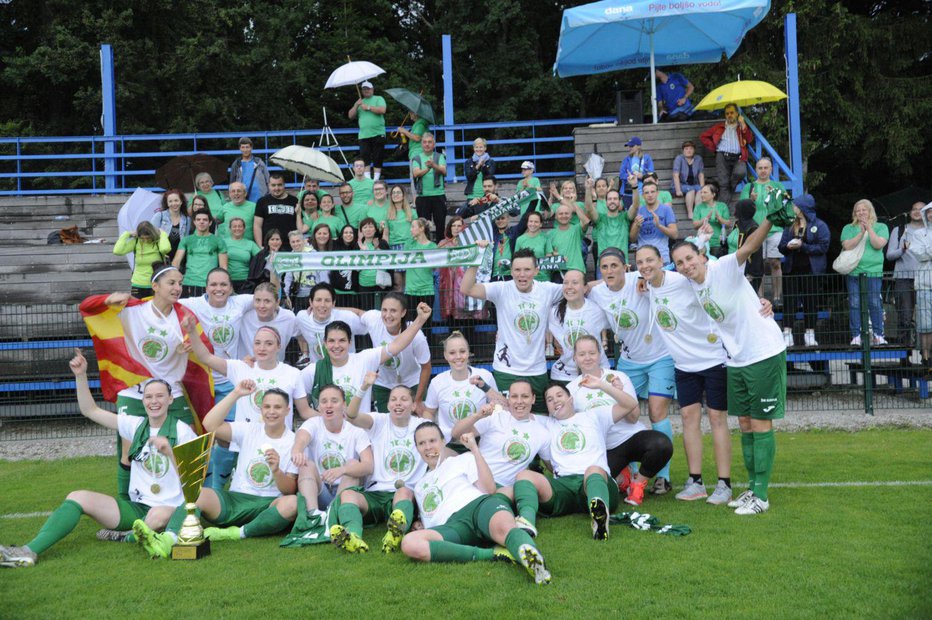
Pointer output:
399, 483
712, 338
156, 489
648, 339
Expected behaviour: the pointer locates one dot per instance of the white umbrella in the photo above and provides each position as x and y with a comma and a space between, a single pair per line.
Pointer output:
594, 166
308, 162
353, 73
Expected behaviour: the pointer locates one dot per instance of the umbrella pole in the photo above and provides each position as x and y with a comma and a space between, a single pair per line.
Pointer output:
358, 92
653, 80
394, 134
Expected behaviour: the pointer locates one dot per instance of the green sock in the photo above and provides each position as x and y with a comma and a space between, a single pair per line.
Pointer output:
406, 506
597, 487
122, 480
269, 521
174, 524
57, 526
526, 500
130, 538
747, 450
765, 448
443, 551
351, 518
515, 539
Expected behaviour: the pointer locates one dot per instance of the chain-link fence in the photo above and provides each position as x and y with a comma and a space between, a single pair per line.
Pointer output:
834, 363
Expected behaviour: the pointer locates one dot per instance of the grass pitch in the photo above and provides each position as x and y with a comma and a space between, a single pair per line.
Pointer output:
821, 551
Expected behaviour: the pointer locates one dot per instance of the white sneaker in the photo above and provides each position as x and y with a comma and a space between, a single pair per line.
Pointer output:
788, 337
692, 491
721, 494
878, 340
856, 341
809, 338
753, 506
741, 499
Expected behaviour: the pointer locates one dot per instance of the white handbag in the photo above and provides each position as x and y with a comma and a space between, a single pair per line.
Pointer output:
848, 260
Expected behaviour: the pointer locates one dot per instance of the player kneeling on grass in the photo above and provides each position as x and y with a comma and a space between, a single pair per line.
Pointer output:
261, 498
460, 509
396, 461
576, 454
155, 489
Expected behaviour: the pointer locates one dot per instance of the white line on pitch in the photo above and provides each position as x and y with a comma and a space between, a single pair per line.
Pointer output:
25, 515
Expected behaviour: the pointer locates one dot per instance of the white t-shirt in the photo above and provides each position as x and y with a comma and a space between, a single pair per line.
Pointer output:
578, 443
312, 330
284, 377
680, 321
448, 488
253, 475
628, 314
350, 375
588, 320
222, 325
394, 453
455, 400
155, 342
403, 369
730, 300
522, 325
509, 445
151, 470
585, 399
329, 450
284, 322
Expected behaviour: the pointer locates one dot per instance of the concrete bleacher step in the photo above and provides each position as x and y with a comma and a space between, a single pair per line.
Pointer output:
60, 273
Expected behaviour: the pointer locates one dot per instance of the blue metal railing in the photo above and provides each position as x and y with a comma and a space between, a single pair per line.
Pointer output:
83, 169
781, 170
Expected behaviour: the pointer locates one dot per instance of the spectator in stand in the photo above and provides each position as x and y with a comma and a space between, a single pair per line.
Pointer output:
419, 127
745, 225
476, 206
297, 285
729, 142
370, 240
328, 214
663, 196
250, 171
452, 301
921, 247
429, 170
362, 185
377, 208
688, 176
345, 281
260, 265
655, 223
205, 187
805, 246
673, 91
864, 228
277, 210
637, 163
611, 225
204, 251
239, 207
199, 203
567, 239
312, 186
240, 252
349, 207
905, 266
761, 191
419, 281
370, 110
307, 213
710, 211
481, 166
537, 241
528, 182
398, 232
149, 245
173, 219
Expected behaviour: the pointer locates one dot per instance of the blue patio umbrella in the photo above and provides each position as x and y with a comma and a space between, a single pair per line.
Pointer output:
612, 35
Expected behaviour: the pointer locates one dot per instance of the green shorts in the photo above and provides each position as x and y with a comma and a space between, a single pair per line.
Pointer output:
129, 512
380, 505
239, 508
470, 524
180, 409
569, 496
758, 390
539, 383
380, 396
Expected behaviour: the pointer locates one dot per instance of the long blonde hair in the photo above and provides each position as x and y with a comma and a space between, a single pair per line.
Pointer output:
392, 211
871, 218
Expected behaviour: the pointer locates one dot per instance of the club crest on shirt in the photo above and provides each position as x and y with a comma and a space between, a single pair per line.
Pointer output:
155, 463
574, 329
571, 439
598, 398
349, 389
400, 460
222, 334
461, 407
527, 320
516, 448
259, 473
153, 345
262, 384
433, 497
623, 316
331, 456
393, 362
665, 317
711, 308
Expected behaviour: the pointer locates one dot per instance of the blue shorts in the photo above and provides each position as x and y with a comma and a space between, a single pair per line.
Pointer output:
713, 381
686, 188
654, 379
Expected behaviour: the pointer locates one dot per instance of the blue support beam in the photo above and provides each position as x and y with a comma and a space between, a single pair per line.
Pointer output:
448, 134
108, 115
792, 91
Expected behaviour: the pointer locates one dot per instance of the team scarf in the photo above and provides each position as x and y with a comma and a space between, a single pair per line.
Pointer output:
646, 523
119, 370
323, 376
456, 256
311, 529
169, 431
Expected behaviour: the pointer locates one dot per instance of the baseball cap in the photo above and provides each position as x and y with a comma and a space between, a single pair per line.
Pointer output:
635, 141
366, 84
527, 165
806, 201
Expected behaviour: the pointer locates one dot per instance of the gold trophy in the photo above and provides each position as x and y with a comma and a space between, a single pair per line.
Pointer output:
191, 459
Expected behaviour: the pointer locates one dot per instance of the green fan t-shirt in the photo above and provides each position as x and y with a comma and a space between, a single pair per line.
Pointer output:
371, 125
239, 253
568, 244
541, 247
872, 261
429, 184
201, 255
419, 280
362, 191
419, 128
245, 211
611, 232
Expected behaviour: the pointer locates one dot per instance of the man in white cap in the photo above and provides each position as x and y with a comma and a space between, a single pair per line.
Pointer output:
370, 110
528, 182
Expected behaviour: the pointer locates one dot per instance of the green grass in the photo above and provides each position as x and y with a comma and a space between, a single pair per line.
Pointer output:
819, 552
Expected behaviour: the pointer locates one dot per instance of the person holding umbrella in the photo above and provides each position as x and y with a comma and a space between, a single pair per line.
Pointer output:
419, 127
369, 109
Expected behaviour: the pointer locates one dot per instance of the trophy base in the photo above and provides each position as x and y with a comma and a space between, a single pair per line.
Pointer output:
191, 552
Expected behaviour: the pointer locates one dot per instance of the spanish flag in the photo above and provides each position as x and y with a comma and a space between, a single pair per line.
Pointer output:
120, 370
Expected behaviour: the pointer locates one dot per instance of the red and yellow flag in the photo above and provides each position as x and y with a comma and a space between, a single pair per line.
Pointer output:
120, 370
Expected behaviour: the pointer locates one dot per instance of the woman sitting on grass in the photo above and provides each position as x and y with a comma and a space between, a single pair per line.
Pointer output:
155, 490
